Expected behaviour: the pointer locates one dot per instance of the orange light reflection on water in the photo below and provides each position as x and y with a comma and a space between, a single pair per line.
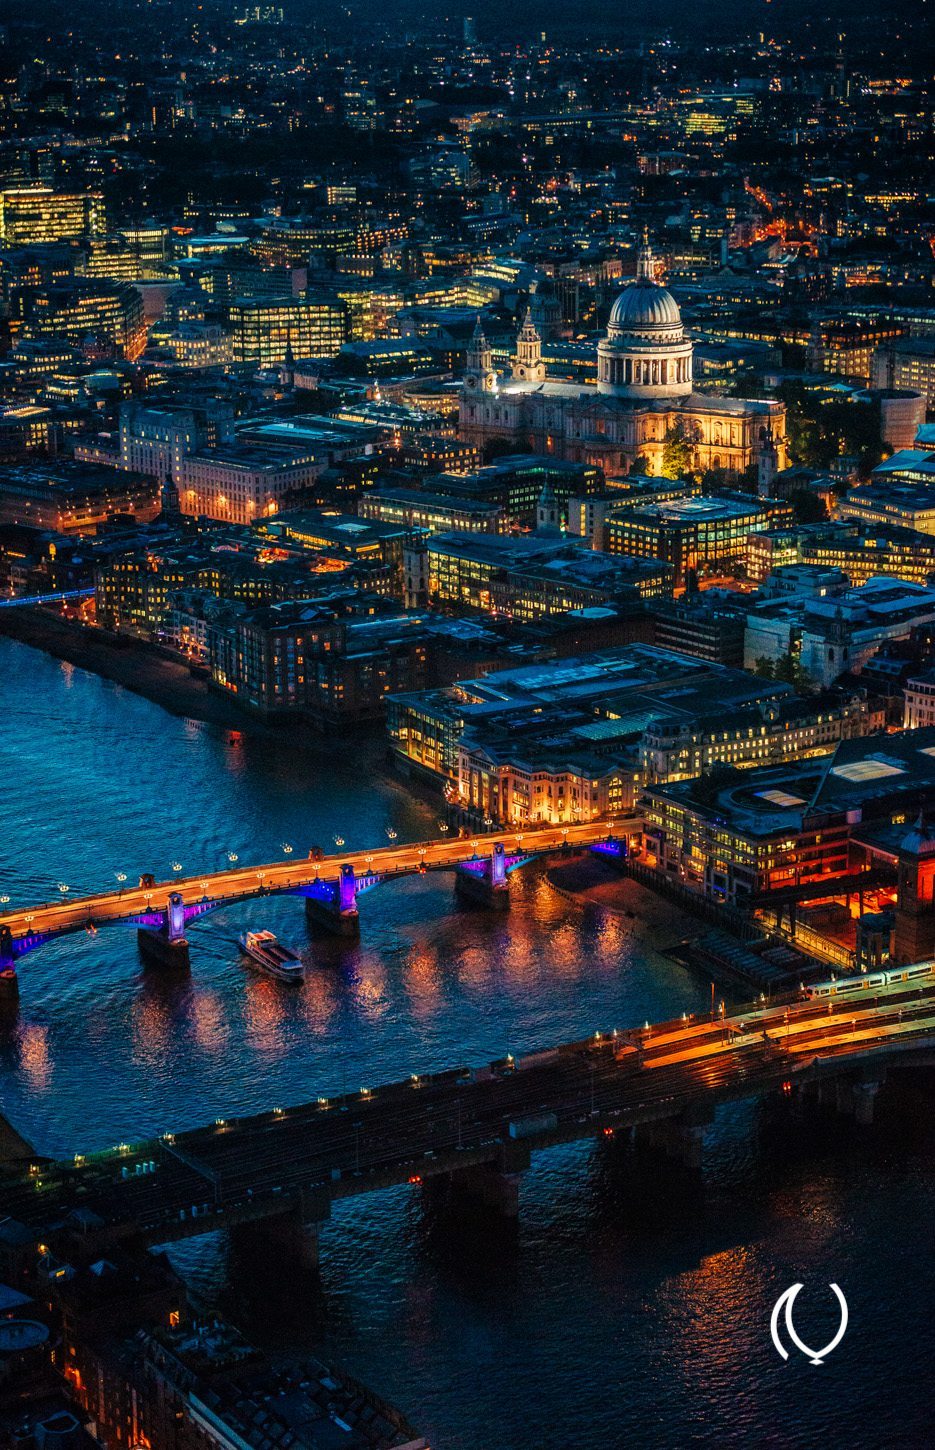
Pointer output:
35, 1056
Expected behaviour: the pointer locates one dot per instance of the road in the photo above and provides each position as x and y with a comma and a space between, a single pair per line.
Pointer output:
77, 913
333, 1148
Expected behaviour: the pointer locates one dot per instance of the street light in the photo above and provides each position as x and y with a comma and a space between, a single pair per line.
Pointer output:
287, 849
232, 857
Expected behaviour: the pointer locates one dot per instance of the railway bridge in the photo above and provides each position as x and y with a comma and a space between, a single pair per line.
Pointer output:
470, 1133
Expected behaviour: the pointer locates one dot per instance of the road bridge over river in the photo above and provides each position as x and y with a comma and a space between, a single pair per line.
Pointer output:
330, 885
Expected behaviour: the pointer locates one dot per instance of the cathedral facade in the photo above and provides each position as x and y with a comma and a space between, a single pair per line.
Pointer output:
644, 393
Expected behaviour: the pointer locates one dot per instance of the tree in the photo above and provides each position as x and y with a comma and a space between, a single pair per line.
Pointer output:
788, 669
822, 427
500, 447
809, 508
676, 452
713, 480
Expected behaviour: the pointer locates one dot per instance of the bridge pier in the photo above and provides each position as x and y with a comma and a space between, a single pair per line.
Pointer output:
286, 1241
487, 883
679, 1143
9, 982
491, 1187
333, 905
166, 947
856, 1099
680, 1139
864, 1097
853, 1097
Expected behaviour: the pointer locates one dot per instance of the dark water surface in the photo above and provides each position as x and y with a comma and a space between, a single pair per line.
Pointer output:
631, 1310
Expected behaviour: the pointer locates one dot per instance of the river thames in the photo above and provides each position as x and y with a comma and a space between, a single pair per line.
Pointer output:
625, 1313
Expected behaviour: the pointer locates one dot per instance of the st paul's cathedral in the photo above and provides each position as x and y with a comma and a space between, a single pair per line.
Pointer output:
644, 392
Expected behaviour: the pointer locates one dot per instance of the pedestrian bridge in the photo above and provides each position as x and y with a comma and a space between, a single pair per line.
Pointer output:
329, 884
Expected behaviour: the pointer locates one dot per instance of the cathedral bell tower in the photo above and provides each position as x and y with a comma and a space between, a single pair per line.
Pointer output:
479, 376
528, 366
767, 464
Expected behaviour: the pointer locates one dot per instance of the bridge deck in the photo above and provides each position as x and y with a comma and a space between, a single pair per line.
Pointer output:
242, 882
408, 1131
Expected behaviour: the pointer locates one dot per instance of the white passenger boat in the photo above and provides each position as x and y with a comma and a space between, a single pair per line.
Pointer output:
271, 957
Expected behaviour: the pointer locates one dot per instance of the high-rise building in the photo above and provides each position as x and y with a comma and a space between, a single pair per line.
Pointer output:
36, 215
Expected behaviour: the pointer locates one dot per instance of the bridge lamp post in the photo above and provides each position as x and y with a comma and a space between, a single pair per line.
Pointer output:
63, 888
232, 857
4, 900
287, 849
176, 866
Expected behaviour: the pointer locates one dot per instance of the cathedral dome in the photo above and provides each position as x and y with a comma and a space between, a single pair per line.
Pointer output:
645, 353
644, 307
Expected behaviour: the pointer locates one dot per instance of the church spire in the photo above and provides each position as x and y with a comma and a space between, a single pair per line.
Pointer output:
645, 261
527, 360
479, 374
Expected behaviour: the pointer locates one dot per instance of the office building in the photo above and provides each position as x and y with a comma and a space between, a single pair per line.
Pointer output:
37, 215
264, 329
529, 577
700, 534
